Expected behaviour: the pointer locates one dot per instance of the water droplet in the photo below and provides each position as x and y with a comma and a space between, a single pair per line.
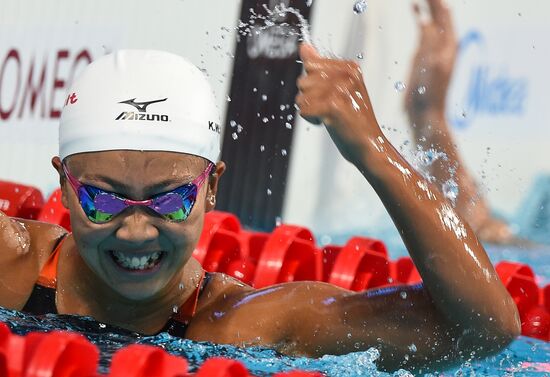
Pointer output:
175, 309
309, 2
268, 192
349, 335
254, 90
234, 136
282, 107
265, 119
181, 286
450, 190
262, 148
399, 86
403, 294
360, 6
278, 221
232, 123
16, 189
288, 125
228, 99
264, 97
360, 55
102, 325
239, 128
421, 89
325, 240
283, 152
412, 347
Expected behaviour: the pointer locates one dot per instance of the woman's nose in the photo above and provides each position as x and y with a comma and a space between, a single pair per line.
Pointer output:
137, 226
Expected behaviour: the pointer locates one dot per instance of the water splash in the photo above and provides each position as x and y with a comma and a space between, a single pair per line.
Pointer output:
303, 24
450, 190
399, 86
423, 159
360, 6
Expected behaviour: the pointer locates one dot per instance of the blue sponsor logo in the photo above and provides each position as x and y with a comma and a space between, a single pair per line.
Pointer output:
491, 91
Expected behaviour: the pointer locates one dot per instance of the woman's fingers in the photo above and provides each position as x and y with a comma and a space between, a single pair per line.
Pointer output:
440, 13
329, 88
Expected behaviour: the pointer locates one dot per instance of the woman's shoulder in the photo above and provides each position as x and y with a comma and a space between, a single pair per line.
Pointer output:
44, 238
220, 288
25, 248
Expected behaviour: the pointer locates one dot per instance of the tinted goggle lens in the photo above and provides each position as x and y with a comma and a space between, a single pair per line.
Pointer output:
176, 205
101, 206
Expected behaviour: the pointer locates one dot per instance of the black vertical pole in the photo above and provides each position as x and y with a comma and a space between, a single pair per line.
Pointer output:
261, 114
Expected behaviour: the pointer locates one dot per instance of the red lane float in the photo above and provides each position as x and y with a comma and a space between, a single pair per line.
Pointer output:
218, 245
54, 212
17, 200
519, 280
362, 263
66, 354
545, 297
144, 361
403, 271
56, 354
531, 301
288, 255
220, 367
535, 323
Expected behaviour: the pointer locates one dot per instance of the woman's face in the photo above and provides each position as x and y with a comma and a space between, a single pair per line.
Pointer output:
137, 253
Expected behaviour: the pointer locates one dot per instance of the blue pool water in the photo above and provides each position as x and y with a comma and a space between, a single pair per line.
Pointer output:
524, 357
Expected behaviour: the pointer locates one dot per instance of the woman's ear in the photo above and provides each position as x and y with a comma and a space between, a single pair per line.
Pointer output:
213, 181
56, 163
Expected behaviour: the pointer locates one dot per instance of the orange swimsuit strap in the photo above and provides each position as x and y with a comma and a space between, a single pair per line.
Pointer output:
48, 275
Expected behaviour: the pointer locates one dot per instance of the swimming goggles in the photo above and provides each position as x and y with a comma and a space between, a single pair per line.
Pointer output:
101, 206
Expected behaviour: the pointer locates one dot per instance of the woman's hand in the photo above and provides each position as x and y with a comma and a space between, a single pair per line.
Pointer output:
333, 92
433, 62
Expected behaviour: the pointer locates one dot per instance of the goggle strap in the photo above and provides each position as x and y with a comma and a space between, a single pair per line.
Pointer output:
199, 181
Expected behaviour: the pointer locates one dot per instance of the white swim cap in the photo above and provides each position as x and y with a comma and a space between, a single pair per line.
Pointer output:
141, 100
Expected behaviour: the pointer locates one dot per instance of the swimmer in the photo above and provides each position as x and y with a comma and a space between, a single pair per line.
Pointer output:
431, 71
138, 167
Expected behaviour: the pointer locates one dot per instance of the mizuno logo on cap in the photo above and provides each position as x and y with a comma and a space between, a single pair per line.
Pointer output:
141, 106
142, 109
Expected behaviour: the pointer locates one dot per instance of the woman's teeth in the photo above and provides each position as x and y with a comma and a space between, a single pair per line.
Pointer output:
134, 263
